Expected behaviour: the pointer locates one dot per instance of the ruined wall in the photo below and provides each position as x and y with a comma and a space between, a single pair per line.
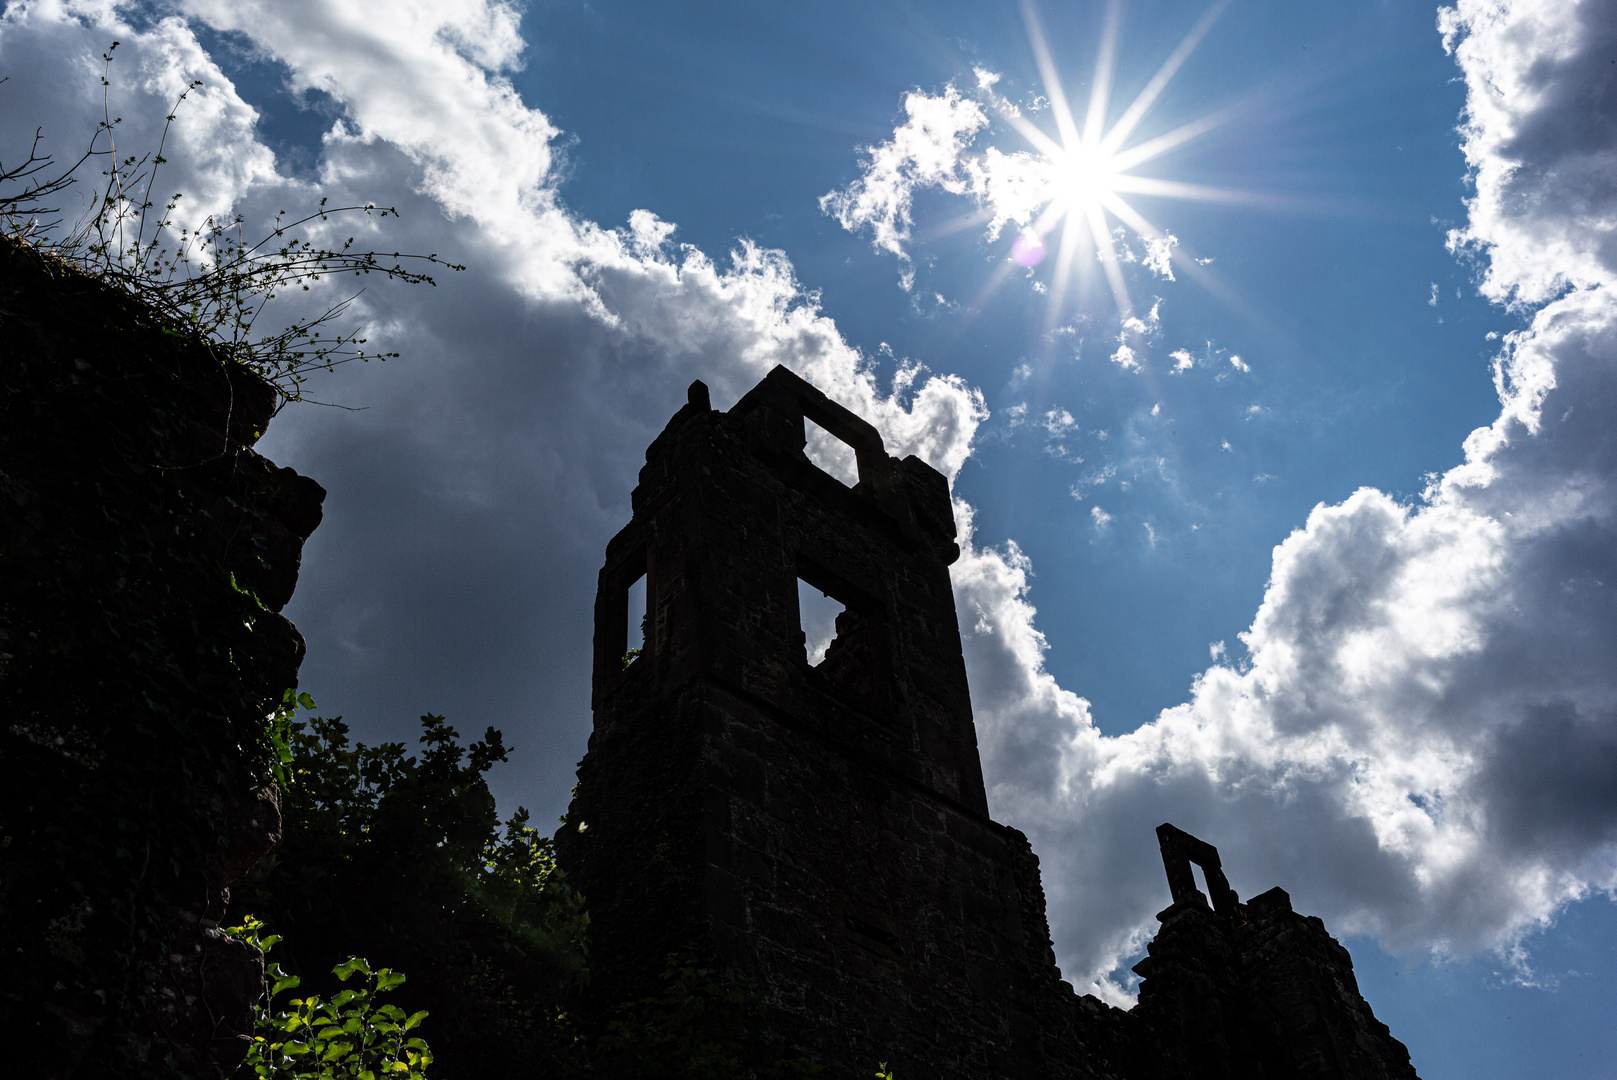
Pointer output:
145, 554
1258, 991
823, 829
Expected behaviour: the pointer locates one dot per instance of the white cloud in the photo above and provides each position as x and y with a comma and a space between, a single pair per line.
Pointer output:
1182, 360
1240, 365
1421, 743
1159, 254
1059, 422
1095, 478
495, 459
924, 152
932, 148
1543, 162
1124, 358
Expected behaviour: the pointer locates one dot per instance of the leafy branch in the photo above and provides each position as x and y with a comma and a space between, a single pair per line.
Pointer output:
350, 1036
214, 281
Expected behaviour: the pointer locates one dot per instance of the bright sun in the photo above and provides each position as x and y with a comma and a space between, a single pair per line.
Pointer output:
1078, 179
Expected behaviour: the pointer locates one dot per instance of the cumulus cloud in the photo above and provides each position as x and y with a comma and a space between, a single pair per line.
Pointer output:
923, 152
1420, 741
490, 465
1421, 736
215, 158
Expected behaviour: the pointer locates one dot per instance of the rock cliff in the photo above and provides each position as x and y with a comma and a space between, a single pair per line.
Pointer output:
145, 553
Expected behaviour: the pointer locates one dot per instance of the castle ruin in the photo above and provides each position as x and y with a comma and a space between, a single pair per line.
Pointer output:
823, 828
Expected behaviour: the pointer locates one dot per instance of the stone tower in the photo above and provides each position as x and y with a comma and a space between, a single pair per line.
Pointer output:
822, 828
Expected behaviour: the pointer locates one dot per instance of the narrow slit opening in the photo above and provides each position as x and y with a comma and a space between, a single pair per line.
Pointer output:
634, 645
830, 454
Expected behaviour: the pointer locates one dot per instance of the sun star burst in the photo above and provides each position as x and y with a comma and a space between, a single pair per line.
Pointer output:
1083, 173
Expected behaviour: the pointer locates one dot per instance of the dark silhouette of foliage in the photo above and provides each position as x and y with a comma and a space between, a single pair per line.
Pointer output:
140, 543
400, 858
706, 1024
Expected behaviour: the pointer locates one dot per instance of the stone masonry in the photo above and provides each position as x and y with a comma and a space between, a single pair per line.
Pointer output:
823, 830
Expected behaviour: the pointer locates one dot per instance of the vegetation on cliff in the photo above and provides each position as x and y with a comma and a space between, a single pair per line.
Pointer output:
149, 748
401, 859
145, 554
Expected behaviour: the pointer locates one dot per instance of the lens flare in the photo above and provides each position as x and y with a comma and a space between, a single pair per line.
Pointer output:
1027, 249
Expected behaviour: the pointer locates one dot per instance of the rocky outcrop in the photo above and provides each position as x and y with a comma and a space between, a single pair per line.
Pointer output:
823, 831
145, 553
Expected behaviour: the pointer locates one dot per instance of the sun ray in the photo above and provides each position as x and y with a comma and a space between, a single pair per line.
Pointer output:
1047, 71
1178, 189
1108, 260
957, 224
1139, 155
1129, 216
1187, 262
1100, 90
1074, 179
1048, 218
991, 286
1025, 128
1065, 256
1142, 103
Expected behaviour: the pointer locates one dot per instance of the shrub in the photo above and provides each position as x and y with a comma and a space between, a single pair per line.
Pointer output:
350, 1037
401, 858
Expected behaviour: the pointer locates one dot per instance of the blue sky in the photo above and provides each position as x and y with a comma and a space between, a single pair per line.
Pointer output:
1257, 575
